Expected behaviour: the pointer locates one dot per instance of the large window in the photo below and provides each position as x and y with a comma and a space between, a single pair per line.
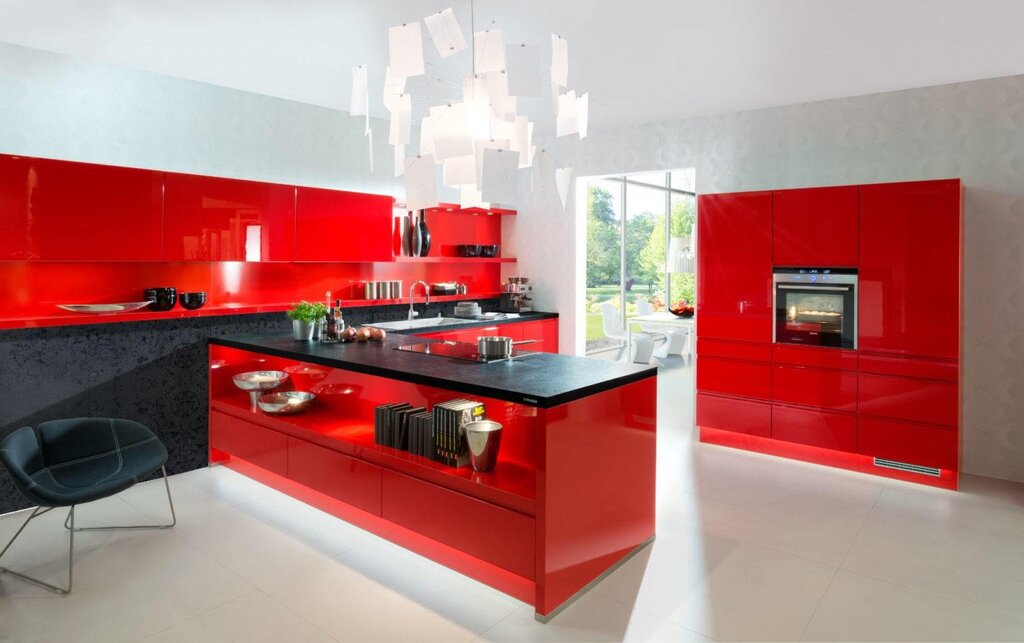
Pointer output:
639, 249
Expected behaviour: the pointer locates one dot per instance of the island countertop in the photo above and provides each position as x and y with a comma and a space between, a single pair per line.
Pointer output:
542, 380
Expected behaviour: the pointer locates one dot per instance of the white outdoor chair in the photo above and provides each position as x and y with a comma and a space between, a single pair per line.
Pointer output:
643, 349
613, 327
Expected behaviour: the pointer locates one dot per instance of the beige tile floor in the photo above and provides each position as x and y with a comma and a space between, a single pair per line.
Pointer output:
749, 548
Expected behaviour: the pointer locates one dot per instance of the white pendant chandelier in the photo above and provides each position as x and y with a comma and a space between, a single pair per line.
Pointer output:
480, 142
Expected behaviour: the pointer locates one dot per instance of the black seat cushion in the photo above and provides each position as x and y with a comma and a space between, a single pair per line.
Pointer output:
68, 462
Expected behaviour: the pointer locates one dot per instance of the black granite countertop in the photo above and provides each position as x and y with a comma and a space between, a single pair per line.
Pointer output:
539, 379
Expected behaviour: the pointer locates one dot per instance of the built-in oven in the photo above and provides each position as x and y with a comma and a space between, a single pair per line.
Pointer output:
815, 307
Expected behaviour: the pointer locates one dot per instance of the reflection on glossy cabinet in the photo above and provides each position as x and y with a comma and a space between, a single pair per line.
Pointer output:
215, 219
343, 226
815, 227
735, 272
66, 211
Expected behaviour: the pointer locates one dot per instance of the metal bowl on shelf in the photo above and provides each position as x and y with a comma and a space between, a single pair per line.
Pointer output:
285, 402
255, 382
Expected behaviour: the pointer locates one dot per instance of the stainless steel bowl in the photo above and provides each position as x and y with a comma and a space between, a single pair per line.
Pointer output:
256, 382
285, 402
483, 438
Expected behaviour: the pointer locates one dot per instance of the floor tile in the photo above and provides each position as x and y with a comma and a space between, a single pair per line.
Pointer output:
189, 502
253, 618
227, 485
857, 608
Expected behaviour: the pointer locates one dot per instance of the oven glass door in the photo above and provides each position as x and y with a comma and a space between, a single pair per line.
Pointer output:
815, 315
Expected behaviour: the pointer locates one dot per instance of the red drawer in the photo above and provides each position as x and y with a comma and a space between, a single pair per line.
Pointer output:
250, 442
337, 475
909, 399
734, 377
814, 427
751, 351
733, 414
824, 388
491, 533
928, 446
928, 368
813, 356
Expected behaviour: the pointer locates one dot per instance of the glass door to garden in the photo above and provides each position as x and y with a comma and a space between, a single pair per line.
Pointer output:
640, 250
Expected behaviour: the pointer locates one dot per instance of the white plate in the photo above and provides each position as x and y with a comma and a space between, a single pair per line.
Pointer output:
98, 309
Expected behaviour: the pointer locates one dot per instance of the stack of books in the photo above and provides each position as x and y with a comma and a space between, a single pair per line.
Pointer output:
449, 436
437, 435
391, 424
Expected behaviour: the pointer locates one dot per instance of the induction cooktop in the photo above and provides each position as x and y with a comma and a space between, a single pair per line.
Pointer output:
459, 350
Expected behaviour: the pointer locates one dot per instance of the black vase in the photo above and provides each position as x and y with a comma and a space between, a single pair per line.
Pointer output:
424, 234
413, 237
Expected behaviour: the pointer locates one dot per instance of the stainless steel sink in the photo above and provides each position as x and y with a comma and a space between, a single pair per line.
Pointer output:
410, 324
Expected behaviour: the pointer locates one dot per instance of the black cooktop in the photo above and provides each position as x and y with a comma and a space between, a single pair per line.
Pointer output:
459, 350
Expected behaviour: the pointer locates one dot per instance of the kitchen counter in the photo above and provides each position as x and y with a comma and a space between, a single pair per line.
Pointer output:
542, 380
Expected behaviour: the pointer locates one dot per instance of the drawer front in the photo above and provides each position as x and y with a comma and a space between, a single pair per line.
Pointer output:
733, 414
928, 446
491, 533
815, 428
909, 399
750, 351
253, 443
823, 388
813, 356
734, 377
337, 475
909, 367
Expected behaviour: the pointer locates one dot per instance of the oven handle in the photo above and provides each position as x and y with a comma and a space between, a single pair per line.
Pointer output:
839, 288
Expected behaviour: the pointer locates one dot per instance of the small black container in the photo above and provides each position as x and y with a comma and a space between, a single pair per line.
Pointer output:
489, 250
192, 300
467, 250
163, 298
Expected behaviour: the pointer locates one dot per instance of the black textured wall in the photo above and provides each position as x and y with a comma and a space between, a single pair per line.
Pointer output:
153, 372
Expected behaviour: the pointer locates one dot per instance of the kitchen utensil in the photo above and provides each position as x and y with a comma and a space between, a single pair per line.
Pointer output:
163, 298
489, 250
396, 289
285, 402
370, 290
483, 437
192, 300
98, 309
257, 382
444, 288
498, 346
467, 250
384, 290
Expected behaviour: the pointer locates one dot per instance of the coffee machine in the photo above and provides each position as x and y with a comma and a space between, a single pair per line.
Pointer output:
515, 295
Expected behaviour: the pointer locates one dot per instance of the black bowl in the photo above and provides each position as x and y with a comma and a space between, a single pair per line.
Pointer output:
192, 300
162, 298
489, 250
468, 250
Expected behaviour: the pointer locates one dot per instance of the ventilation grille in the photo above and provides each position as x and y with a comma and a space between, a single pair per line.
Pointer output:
903, 466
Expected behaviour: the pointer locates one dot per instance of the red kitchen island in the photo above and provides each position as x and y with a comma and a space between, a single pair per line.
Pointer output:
572, 494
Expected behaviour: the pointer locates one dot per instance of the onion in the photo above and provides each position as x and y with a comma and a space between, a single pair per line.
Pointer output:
363, 334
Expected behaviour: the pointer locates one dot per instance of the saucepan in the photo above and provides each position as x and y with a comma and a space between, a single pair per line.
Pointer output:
497, 346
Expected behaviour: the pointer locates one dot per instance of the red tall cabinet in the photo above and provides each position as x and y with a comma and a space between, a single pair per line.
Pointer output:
891, 407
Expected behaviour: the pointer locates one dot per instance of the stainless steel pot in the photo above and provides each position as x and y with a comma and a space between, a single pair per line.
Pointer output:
497, 346
483, 437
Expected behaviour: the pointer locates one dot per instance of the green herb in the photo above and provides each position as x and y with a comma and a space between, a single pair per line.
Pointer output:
307, 312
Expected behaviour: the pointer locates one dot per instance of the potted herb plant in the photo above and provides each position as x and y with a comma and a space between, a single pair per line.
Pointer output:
305, 319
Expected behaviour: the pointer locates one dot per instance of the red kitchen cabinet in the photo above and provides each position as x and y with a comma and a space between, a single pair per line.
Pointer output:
347, 479
920, 444
734, 350
910, 268
815, 427
911, 399
734, 377
66, 211
818, 387
815, 227
251, 442
543, 333
343, 226
793, 355
735, 273
214, 219
733, 414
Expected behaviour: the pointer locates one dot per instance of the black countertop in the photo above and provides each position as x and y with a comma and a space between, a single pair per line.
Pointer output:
540, 379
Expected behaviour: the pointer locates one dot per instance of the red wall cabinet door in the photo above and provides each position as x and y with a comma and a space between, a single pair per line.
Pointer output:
213, 219
910, 257
734, 247
65, 211
343, 226
815, 227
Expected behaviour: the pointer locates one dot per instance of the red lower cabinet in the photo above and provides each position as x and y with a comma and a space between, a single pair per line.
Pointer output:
815, 427
491, 533
734, 414
819, 387
253, 443
347, 479
734, 377
928, 446
910, 399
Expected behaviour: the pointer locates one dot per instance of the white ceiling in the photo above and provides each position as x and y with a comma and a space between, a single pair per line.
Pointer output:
641, 60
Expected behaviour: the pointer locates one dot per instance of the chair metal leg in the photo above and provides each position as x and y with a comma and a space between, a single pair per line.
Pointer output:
170, 502
71, 553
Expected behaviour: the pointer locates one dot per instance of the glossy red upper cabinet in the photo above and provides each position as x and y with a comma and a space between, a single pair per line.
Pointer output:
816, 227
66, 211
343, 226
213, 219
735, 273
910, 268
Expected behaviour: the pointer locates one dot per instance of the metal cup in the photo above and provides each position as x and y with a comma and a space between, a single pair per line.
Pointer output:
483, 438
370, 290
396, 289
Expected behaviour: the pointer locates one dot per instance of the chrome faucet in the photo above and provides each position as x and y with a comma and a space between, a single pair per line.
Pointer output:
412, 291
